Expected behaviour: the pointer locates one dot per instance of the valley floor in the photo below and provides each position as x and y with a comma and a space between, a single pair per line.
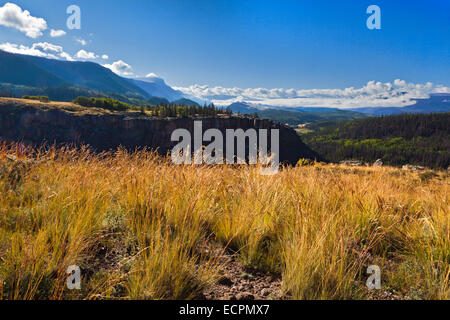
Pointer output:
140, 227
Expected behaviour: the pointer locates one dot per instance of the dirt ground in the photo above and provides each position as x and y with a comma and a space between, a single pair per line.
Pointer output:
240, 283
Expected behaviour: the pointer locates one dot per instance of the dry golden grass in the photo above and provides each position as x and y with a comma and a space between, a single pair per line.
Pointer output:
63, 106
142, 228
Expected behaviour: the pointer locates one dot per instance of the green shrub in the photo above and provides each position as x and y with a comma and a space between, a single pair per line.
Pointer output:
103, 103
305, 162
427, 176
38, 98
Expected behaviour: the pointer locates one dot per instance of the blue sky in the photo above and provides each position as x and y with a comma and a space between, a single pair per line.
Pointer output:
314, 44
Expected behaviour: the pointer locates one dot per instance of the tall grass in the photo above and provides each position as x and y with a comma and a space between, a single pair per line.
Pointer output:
142, 228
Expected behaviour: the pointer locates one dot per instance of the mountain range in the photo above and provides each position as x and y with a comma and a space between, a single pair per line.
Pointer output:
42, 72
437, 103
296, 116
65, 80
157, 87
38, 72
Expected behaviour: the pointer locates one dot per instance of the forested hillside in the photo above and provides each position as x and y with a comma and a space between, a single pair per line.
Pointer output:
422, 139
66, 80
296, 116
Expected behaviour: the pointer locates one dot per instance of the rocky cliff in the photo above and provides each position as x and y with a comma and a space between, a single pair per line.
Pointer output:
37, 123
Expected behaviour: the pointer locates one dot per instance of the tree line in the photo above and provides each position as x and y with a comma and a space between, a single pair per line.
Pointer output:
69, 93
158, 111
421, 139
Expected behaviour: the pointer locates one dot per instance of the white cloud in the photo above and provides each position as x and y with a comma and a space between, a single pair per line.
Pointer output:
120, 67
81, 41
442, 89
152, 75
39, 49
11, 15
21, 49
57, 33
66, 56
105, 57
373, 94
82, 54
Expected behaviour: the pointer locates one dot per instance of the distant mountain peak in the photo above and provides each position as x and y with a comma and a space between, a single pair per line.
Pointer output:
157, 87
152, 78
436, 103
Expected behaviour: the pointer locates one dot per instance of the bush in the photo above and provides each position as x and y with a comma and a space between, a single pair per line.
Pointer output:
38, 98
427, 176
103, 103
305, 162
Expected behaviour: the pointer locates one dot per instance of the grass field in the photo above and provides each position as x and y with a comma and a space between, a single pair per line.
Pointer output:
142, 228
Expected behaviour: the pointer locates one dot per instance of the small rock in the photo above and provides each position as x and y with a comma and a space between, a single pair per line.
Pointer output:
413, 168
245, 296
265, 292
378, 163
351, 163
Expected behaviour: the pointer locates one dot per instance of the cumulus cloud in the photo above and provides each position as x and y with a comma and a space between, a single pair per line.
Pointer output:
105, 57
120, 67
373, 94
11, 15
57, 33
81, 41
82, 54
40, 49
442, 89
52, 51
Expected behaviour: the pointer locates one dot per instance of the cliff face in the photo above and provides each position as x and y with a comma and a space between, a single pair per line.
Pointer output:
32, 125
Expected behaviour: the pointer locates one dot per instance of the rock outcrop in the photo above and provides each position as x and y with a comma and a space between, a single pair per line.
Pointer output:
32, 125
378, 163
351, 163
413, 167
